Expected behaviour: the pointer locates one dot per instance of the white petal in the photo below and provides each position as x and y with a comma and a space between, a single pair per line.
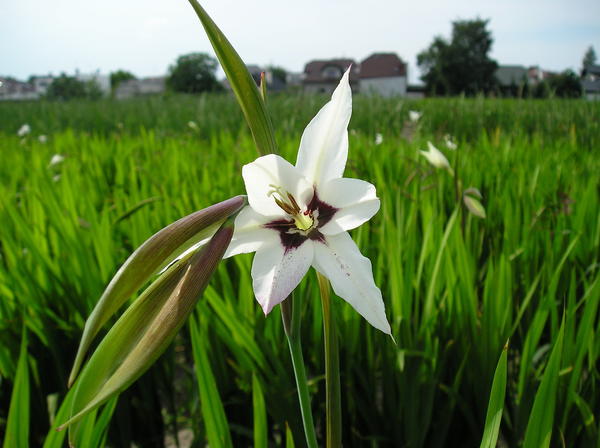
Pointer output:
351, 276
277, 271
435, 157
56, 159
267, 172
249, 233
414, 115
355, 199
324, 144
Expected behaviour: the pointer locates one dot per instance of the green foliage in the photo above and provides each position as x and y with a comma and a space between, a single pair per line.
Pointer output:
66, 88
566, 85
539, 427
456, 287
194, 73
493, 418
461, 65
589, 58
563, 85
118, 77
542, 90
279, 73
215, 420
250, 99
17, 425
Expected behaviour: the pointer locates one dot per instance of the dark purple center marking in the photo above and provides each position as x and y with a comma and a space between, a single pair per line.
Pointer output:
292, 237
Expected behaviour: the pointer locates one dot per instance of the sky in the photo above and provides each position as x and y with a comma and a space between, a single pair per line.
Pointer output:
146, 36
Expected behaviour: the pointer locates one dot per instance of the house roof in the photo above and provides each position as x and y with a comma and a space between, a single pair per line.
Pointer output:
591, 70
590, 86
314, 70
382, 65
511, 74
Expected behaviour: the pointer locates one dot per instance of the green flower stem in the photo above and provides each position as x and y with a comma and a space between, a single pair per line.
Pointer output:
457, 186
458, 192
290, 313
332, 369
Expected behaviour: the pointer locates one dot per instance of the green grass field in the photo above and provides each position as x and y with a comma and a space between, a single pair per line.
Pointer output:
456, 287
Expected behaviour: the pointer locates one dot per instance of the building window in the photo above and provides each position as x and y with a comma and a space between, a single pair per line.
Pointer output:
331, 72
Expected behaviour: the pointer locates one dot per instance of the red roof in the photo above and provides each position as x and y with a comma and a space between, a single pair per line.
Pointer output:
329, 70
382, 65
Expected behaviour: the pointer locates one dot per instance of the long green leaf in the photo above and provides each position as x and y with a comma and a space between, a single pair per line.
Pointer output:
54, 438
541, 419
496, 404
242, 83
100, 429
260, 414
150, 257
17, 426
215, 420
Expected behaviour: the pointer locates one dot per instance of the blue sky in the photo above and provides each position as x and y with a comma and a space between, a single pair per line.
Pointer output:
146, 36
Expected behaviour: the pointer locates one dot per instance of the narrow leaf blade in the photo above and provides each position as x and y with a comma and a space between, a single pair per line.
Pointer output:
242, 83
541, 419
496, 404
17, 426
260, 414
215, 420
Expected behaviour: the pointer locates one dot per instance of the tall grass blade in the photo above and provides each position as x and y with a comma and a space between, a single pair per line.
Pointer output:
54, 438
541, 419
215, 420
17, 426
496, 404
260, 414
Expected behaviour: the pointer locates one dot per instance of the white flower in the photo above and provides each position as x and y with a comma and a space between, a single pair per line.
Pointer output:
378, 139
414, 115
299, 216
24, 130
56, 159
42, 138
435, 157
192, 125
449, 142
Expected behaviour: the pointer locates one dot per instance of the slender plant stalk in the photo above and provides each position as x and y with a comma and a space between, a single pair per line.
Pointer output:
458, 192
457, 186
332, 369
290, 313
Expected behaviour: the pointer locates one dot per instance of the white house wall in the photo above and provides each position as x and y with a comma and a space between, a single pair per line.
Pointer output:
389, 86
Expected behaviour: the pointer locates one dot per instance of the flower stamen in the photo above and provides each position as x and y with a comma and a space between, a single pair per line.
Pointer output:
285, 201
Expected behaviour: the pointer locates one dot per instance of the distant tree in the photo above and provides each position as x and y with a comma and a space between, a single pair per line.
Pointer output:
118, 77
66, 88
525, 90
589, 58
279, 73
461, 65
566, 85
542, 90
194, 73
93, 91
433, 65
